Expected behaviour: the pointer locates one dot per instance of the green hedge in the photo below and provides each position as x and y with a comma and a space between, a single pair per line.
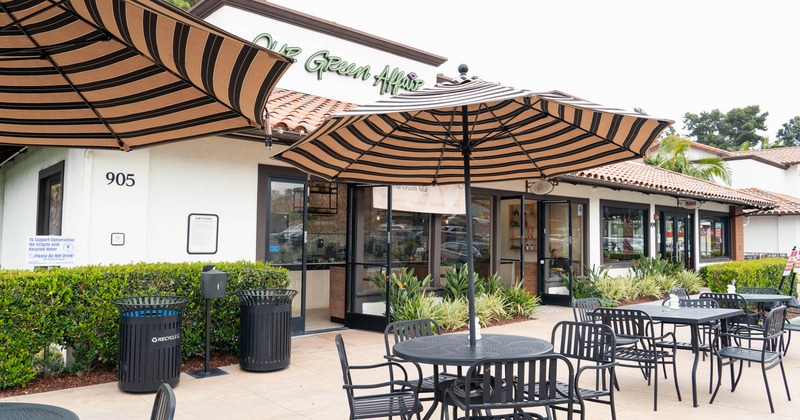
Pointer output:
73, 307
765, 272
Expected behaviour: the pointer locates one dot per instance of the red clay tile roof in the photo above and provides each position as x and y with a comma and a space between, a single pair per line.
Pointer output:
784, 205
710, 149
636, 176
301, 112
781, 155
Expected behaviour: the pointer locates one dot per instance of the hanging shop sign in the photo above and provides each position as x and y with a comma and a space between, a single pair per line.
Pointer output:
389, 80
440, 199
688, 204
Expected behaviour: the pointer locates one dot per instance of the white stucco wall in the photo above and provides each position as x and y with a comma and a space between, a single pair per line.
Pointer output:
747, 173
332, 85
771, 234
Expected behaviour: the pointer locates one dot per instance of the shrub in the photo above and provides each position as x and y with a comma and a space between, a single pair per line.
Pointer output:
766, 272
648, 286
689, 280
614, 288
490, 308
406, 292
518, 301
646, 266
451, 314
72, 307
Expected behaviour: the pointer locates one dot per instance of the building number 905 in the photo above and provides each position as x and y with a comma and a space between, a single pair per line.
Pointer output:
121, 179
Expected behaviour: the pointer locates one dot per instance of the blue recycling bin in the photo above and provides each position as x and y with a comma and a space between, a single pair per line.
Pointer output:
149, 342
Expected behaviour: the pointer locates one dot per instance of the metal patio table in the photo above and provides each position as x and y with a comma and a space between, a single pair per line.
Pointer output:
17, 410
761, 299
454, 350
694, 317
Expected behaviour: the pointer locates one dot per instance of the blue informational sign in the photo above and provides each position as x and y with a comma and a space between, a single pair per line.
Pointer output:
274, 248
51, 251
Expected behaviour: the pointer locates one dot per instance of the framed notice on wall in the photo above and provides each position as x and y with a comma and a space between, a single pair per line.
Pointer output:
203, 233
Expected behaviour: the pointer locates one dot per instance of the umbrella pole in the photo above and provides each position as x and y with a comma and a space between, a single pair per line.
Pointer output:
465, 150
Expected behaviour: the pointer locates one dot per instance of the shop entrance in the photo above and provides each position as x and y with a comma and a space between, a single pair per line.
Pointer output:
305, 233
674, 238
562, 249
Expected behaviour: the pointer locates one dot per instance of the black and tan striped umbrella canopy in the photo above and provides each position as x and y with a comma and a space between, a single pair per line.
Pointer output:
123, 74
471, 131
421, 137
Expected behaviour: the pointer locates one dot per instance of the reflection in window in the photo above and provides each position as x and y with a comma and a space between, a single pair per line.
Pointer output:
327, 225
623, 234
714, 236
453, 233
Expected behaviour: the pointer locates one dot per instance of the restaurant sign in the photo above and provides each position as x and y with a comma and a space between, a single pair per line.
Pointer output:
688, 203
388, 80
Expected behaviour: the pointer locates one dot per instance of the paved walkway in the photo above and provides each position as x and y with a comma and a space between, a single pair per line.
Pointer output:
310, 388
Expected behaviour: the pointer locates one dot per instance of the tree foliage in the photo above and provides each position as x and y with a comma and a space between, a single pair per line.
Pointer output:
183, 4
789, 133
673, 155
734, 130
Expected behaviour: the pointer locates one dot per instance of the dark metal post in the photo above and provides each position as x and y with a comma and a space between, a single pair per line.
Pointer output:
467, 151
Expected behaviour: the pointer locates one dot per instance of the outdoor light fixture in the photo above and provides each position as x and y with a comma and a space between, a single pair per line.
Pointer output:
378, 216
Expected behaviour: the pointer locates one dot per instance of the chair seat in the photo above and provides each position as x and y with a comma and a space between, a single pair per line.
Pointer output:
428, 381
640, 355
585, 393
683, 345
751, 355
371, 406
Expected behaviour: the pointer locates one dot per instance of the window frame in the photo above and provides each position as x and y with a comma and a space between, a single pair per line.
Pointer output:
43, 202
727, 235
645, 208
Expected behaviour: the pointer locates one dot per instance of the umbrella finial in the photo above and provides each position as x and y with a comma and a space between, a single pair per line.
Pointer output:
463, 69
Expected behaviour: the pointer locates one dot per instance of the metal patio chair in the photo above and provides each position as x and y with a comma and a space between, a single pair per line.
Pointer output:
768, 356
399, 331
395, 397
636, 324
164, 403
510, 389
595, 345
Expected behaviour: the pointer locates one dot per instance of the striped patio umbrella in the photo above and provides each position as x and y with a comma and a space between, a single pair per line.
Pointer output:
467, 131
123, 74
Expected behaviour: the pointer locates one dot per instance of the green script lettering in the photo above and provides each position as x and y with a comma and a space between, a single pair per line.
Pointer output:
321, 62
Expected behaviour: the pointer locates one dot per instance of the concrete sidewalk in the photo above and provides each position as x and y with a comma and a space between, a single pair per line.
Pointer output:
310, 388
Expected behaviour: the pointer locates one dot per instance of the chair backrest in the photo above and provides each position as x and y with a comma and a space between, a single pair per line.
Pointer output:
774, 322
518, 383
409, 330
346, 378
584, 341
164, 404
680, 291
758, 290
582, 308
630, 323
731, 301
698, 303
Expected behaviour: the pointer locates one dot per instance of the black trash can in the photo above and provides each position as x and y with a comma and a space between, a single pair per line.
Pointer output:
149, 342
265, 328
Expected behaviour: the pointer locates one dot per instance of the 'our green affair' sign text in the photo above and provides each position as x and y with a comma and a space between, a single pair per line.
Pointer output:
389, 79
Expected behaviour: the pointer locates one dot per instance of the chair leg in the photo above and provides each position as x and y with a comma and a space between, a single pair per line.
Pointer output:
655, 385
675, 376
738, 377
766, 386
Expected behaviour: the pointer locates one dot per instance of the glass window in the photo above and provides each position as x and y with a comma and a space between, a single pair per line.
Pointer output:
454, 251
624, 234
48, 221
327, 222
714, 236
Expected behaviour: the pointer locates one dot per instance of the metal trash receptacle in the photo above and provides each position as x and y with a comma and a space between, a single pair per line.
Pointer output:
149, 342
265, 328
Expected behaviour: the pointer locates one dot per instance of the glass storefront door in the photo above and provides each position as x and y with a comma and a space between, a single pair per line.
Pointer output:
562, 249
674, 238
286, 237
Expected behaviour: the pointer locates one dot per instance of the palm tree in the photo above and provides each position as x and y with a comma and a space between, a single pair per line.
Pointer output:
673, 155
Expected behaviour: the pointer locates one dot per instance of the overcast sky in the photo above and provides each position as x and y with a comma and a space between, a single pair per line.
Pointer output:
667, 57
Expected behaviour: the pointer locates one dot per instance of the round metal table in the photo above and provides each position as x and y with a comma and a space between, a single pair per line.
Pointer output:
32, 411
454, 349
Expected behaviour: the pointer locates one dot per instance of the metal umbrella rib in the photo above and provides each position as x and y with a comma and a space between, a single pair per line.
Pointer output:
123, 74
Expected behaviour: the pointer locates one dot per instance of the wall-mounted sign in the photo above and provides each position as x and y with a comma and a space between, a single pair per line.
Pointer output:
51, 251
688, 203
117, 239
389, 80
203, 233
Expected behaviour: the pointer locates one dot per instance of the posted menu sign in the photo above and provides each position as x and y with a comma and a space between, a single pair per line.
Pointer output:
51, 250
